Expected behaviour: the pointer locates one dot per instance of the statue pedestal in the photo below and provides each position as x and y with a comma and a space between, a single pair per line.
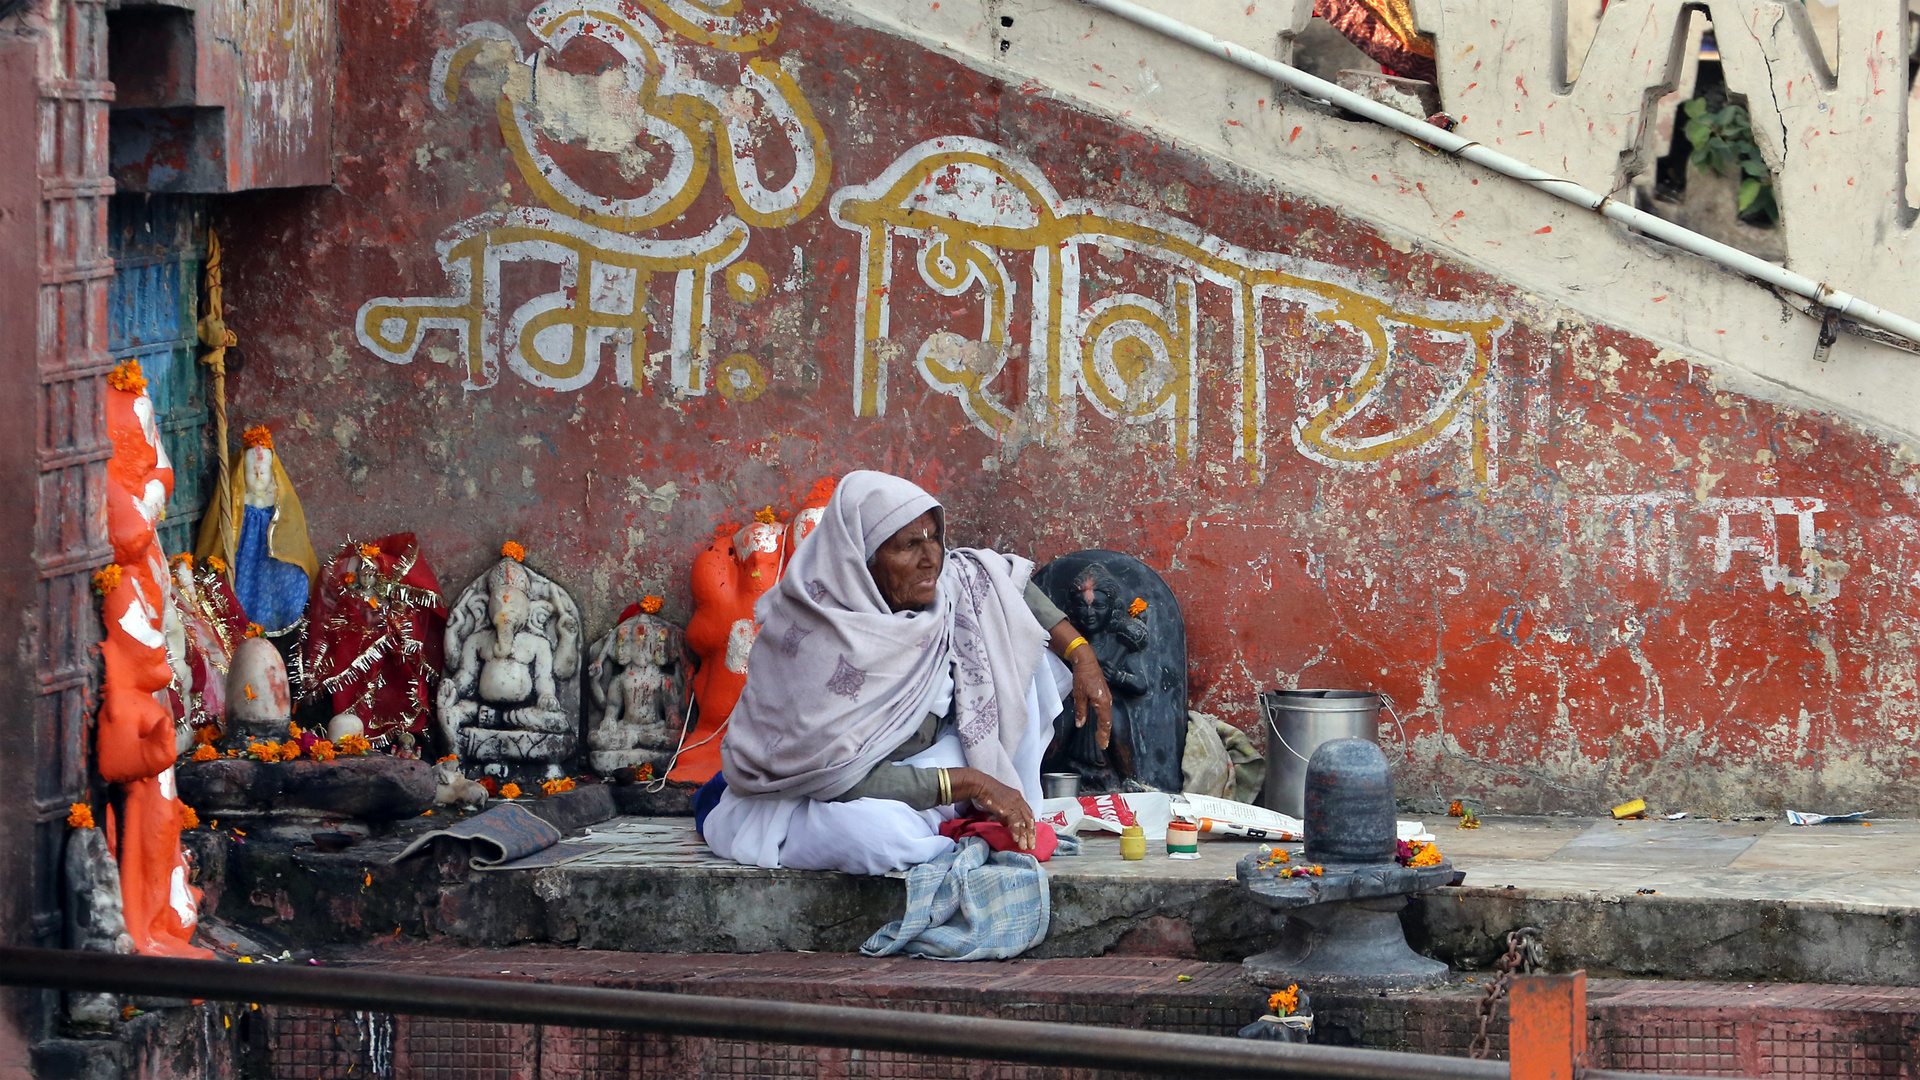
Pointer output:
1343, 930
295, 798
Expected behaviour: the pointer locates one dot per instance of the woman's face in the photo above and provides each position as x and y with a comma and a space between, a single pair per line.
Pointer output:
907, 566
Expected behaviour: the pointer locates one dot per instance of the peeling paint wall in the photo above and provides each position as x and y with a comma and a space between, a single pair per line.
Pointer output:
605, 280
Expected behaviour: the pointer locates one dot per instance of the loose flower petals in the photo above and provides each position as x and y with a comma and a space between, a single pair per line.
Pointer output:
1137, 608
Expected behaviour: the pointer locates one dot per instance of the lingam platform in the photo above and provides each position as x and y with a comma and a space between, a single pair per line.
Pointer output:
1696, 899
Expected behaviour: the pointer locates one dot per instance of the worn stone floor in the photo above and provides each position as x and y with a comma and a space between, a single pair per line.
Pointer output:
1862, 866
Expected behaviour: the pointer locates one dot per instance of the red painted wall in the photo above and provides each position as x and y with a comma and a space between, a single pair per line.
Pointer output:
1603, 577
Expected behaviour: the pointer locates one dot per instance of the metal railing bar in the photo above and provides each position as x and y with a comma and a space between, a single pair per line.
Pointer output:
749, 1019
1846, 304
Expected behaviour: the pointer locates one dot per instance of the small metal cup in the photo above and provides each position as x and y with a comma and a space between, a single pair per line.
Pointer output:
1060, 785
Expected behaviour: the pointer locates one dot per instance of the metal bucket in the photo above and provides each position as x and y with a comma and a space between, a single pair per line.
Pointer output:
1298, 721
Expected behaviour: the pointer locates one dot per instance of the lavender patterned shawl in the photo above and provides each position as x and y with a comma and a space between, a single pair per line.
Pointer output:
836, 680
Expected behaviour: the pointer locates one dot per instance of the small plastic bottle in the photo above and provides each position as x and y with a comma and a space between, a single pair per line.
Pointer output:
1133, 842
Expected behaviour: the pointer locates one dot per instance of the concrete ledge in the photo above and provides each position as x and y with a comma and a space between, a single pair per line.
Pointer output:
647, 886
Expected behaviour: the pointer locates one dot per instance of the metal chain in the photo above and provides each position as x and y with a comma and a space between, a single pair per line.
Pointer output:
1526, 953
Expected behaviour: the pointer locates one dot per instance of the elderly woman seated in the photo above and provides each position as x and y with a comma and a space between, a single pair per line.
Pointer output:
894, 685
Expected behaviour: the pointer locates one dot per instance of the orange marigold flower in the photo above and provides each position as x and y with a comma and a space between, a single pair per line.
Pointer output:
347, 578
218, 564
1137, 608
645, 773
444, 760
107, 578
205, 752
188, 819
80, 816
765, 515
1425, 854
369, 551
128, 376
372, 602
652, 604
510, 791
1284, 1002
182, 559
257, 437
556, 786
492, 785
254, 629
263, 751
249, 687
322, 751
293, 731
512, 550
290, 750
354, 745
1454, 809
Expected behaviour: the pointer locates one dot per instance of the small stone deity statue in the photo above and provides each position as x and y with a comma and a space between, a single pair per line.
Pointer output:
1133, 625
95, 922
511, 695
374, 637
452, 788
259, 530
636, 693
214, 626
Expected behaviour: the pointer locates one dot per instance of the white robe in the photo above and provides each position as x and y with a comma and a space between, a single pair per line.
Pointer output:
876, 836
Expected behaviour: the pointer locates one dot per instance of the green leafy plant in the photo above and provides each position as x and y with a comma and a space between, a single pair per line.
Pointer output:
1723, 137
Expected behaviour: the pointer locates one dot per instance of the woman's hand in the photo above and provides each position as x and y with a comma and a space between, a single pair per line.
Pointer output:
1090, 689
996, 800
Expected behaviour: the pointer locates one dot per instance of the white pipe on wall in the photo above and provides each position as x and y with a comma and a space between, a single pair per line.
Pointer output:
1686, 239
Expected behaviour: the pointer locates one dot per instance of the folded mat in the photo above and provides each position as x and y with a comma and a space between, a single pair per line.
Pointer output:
507, 837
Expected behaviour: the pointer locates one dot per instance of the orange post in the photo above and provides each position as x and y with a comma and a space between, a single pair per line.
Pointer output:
1547, 1039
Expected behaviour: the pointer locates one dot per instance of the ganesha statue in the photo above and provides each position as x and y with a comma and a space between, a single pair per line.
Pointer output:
636, 693
511, 695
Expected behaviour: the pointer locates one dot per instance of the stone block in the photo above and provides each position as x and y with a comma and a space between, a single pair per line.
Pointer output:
372, 788
571, 811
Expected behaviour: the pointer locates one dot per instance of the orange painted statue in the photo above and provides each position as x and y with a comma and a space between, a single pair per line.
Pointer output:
728, 578
136, 740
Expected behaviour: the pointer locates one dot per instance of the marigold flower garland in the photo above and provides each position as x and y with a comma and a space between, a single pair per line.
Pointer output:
354, 745
322, 750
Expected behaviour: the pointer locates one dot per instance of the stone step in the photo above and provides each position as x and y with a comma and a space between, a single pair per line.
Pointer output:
1746, 901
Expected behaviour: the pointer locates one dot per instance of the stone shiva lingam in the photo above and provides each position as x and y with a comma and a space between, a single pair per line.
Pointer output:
511, 696
1134, 626
1343, 902
637, 692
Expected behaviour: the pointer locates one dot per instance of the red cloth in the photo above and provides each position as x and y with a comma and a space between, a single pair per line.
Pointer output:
1373, 35
999, 837
377, 660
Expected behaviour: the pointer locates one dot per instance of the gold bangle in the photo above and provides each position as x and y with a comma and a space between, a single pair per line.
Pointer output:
946, 788
1067, 653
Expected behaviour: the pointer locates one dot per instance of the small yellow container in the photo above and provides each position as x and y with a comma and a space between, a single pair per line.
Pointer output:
1133, 843
1635, 809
